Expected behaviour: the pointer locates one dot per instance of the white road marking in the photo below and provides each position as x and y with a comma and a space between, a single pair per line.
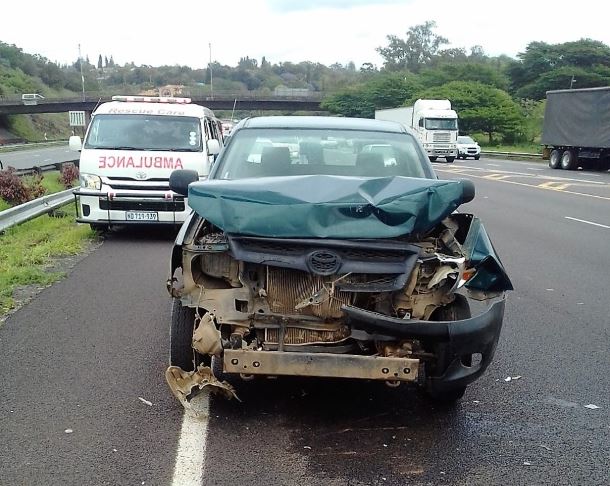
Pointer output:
588, 222
190, 458
493, 165
534, 168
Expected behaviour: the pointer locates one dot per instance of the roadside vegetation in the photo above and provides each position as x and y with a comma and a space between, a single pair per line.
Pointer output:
29, 251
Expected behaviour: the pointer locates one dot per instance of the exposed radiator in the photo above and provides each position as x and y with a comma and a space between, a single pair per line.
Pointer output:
298, 336
287, 288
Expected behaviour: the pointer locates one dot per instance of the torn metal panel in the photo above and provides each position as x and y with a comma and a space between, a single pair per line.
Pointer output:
323, 206
206, 337
186, 384
479, 251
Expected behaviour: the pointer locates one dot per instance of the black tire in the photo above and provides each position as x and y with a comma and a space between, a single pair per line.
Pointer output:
449, 159
555, 159
477, 157
569, 161
432, 159
181, 352
459, 309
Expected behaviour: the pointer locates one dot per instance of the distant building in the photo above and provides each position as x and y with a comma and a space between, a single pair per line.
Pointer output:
167, 90
282, 90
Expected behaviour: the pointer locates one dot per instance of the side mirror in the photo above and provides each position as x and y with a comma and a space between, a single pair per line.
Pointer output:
468, 190
213, 146
75, 144
179, 181
421, 122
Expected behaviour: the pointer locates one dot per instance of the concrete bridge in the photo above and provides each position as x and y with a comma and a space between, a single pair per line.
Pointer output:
13, 105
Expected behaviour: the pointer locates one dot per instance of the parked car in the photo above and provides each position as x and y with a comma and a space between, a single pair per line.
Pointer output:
468, 147
330, 264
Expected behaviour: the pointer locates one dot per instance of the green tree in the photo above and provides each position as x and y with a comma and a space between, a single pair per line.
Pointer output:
544, 66
386, 90
413, 52
480, 108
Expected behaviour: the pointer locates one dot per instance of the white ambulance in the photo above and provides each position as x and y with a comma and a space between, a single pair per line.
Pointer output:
131, 147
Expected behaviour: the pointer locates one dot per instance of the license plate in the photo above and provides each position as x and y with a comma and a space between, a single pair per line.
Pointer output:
141, 216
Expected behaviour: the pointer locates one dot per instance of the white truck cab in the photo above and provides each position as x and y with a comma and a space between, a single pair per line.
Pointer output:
131, 147
435, 123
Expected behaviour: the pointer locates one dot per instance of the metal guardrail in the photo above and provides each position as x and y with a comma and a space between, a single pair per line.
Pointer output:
510, 154
32, 209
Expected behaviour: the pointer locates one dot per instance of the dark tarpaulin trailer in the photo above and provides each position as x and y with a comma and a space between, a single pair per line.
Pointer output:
577, 118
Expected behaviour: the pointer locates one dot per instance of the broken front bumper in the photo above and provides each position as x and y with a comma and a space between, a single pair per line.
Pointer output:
453, 343
324, 365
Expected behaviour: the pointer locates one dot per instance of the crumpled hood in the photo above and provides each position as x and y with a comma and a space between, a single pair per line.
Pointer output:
322, 206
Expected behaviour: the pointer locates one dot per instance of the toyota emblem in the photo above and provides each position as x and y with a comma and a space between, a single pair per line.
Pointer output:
323, 262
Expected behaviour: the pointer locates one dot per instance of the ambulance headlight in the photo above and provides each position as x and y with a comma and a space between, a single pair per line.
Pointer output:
90, 181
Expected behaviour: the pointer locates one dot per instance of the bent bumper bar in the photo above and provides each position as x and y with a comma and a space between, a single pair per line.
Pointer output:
452, 342
320, 364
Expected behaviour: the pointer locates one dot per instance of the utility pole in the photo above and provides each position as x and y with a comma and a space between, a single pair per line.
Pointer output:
82, 78
211, 74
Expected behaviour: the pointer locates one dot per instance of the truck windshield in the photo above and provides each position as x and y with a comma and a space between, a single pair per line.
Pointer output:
145, 132
267, 152
441, 124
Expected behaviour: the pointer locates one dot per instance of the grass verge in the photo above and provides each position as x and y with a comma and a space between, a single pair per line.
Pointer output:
28, 251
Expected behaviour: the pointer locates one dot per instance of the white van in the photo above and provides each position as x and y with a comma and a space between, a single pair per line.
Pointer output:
31, 98
131, 147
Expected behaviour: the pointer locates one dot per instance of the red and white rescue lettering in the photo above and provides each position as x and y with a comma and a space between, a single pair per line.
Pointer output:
143, 162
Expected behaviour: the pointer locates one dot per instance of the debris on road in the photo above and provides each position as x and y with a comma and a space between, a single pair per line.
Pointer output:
525, 463
546, 447
68, 431
512, 378
307, 447
146, 402
591, 406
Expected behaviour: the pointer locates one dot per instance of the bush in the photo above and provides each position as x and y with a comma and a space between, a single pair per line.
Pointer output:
69, 174
15, 190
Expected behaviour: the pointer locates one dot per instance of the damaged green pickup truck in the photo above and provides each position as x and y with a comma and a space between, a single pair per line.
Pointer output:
327, 247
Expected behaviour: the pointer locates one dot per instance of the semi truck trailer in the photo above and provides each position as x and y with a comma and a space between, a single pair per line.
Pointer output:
576, 129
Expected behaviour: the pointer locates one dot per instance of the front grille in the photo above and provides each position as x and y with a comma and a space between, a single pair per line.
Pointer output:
139, 187
299, 336
359, 254
131, 184
287, 288
123, 205
441, 137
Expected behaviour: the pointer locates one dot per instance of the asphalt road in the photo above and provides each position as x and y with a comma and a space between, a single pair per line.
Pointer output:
81, 353
26, 159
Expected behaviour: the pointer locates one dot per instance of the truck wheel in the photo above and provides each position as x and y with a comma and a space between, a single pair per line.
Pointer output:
449, 159
459, 309
568, 160
555, 159
432, 159
181, 352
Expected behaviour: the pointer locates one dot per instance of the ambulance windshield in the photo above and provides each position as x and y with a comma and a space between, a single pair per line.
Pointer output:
145, 132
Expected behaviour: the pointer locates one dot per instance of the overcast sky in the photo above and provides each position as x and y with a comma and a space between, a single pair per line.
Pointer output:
325, 31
